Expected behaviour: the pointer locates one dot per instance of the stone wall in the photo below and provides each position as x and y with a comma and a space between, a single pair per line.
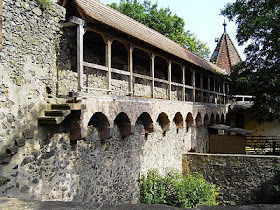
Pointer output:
93, 170
27, 66
243, 179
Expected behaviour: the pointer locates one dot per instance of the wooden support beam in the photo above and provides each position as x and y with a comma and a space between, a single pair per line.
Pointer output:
80, 52
224, 93
169, 79
209, 88
215, 95
108, 57
193, 84
152, 74
130, 67
184, 82
201, 86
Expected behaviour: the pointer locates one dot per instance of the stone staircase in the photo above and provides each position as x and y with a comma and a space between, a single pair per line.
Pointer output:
58, 113
54, 116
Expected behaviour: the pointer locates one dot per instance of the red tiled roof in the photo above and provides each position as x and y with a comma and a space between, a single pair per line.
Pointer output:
108, 16
225, 55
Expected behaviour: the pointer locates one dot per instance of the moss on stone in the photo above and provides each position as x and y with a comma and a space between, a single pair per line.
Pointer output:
3, 180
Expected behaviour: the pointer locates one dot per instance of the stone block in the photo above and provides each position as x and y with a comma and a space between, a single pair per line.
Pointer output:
106, 132
126, 129
5, 158
12, 150
20, 142
28, 134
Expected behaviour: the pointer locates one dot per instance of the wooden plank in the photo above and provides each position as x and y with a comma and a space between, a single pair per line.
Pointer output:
152, 74
161, 81
208, 88
130, 67
184, 82
1, 40
77, 21
142, 76
177, 84
113, 70
80, 45
68, 24
95, 66
169, 79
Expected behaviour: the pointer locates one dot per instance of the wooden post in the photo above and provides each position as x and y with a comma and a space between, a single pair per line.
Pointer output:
184, 82
108, 51
224, 92
169, 79
208, 88
130, 66
215, 95
193, 84
201, 86
80, 56
152, 74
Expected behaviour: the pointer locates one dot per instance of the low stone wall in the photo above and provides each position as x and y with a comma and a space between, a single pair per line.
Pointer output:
243, 179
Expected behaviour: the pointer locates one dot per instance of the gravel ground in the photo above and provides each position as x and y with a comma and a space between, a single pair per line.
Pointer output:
18, 204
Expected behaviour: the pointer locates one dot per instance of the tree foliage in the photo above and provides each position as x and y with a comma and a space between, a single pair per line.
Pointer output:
258, 26
163, 21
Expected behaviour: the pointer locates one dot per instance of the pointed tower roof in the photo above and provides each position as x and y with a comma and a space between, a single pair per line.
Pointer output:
225, 55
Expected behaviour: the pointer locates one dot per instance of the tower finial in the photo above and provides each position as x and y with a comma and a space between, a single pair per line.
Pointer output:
225, 25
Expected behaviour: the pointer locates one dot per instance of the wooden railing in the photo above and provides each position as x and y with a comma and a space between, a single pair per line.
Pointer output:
263, 144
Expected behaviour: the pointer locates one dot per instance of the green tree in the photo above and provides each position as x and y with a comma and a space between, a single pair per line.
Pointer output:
258, 26
163, 21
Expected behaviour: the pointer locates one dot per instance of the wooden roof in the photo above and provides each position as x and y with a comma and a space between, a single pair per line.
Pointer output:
108, 16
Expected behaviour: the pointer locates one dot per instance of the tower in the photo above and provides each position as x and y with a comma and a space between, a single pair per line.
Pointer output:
225, 55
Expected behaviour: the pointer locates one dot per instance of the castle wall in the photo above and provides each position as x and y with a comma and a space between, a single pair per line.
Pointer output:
27, 66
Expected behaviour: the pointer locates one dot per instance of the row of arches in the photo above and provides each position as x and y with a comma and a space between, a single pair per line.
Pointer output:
101, 122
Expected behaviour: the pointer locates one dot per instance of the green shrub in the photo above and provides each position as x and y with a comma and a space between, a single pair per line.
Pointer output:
176, 190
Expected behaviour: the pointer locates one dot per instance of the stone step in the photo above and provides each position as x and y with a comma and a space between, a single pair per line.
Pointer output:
69, 106
50, 120
12, 150
57, 113
5, 158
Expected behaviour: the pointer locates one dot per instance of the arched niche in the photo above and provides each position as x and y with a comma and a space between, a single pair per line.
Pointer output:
189, 121
218, 120
146, 120
164, 122
178, 120
100, 121
212, 119
198, 120
206, 120
124, 124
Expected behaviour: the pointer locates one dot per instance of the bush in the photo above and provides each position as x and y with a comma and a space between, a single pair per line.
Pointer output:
176, 190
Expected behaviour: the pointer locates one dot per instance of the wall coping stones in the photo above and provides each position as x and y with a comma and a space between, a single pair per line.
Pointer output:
233, 155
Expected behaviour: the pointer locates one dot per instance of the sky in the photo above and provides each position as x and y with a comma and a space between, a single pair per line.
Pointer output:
202, 17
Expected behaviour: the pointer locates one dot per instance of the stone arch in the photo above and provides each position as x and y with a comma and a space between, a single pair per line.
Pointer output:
212, 119
178, 120
146, 120
198, 120
164, 121
206, 120
222, 118
218, 120
124, 124
100, 121
189, 121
